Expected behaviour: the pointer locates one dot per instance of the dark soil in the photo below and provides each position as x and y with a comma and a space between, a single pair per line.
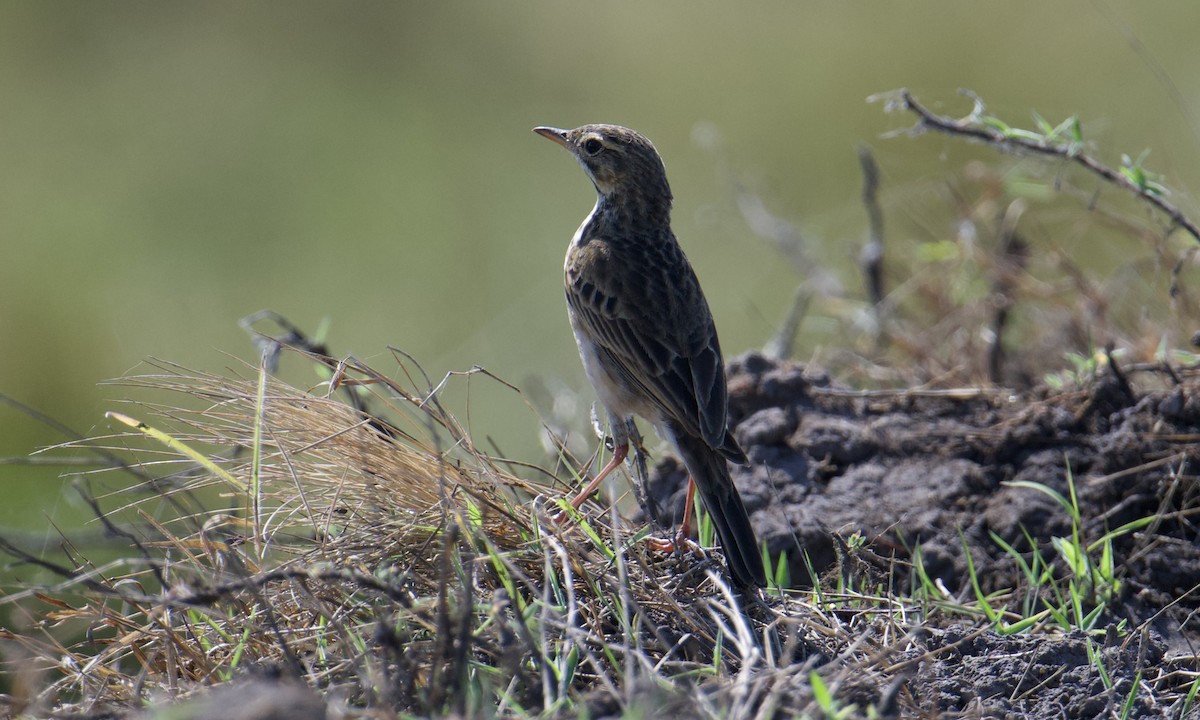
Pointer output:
928, 469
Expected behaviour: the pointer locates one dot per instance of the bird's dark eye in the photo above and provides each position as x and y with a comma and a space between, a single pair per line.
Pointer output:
592, 146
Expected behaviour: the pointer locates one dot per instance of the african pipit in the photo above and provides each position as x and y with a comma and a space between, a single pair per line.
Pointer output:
645, 333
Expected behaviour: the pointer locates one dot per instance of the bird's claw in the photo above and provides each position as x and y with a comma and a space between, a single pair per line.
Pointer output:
679, 544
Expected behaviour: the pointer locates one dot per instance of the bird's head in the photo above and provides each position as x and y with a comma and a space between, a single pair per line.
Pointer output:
622, 164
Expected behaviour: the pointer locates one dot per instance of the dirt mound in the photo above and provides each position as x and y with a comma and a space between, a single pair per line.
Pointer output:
916, 487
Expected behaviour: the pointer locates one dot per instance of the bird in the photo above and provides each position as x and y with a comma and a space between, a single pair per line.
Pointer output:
645, 332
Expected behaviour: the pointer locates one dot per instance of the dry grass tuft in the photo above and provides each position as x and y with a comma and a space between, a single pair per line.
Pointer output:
380, 557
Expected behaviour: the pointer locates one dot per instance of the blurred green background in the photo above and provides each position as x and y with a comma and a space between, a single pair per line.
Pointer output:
167, 168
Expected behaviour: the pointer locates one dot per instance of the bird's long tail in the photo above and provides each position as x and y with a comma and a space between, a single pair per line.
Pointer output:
710, 472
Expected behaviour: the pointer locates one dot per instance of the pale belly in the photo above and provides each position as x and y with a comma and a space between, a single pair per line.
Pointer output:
610, 391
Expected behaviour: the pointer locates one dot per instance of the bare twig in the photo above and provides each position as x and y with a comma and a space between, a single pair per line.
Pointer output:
970, 127
872, 253
1014, 254
781, 346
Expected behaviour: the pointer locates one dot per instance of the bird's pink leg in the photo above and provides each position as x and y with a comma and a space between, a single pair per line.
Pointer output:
619, 454
682, 539
689, 506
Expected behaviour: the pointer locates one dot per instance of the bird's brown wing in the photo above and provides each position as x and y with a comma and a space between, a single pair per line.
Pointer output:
652, 328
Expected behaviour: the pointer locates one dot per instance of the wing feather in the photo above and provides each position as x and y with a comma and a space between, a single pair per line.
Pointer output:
657, 335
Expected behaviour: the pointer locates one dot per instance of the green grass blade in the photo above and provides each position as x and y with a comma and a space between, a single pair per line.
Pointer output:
178, 446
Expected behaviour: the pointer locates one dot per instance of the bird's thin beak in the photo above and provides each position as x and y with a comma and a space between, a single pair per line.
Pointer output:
556, 134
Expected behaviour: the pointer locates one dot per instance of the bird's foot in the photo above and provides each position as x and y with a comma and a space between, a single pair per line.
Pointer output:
679, 544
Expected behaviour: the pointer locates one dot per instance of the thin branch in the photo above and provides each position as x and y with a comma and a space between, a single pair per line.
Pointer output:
871, 257
971, 128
